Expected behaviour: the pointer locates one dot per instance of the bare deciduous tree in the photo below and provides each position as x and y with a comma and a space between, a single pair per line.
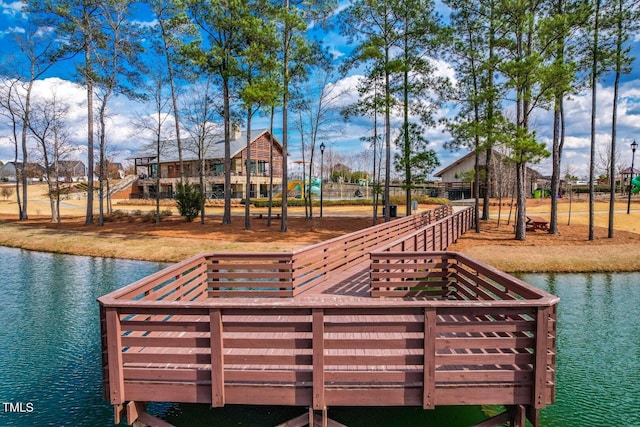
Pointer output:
48, 126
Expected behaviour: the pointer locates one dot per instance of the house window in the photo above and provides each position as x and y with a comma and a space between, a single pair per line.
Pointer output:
259, 166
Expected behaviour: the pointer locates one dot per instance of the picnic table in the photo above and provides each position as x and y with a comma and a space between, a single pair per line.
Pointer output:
537, 223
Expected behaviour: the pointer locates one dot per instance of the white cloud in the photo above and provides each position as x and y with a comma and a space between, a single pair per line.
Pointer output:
121, 119
12, 30
12, 9
347, 89
145, 24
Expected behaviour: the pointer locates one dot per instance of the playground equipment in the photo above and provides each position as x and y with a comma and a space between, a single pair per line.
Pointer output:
296, 187
635, 185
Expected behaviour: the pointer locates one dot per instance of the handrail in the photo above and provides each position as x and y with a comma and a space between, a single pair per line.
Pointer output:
445, 275
277, 274
416, 352
312, 263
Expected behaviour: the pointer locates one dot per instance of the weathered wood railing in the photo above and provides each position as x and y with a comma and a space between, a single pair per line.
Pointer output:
289, 352
448, 330
435, 235
312, 263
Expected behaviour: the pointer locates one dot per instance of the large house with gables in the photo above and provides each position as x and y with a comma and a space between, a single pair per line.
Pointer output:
148, 166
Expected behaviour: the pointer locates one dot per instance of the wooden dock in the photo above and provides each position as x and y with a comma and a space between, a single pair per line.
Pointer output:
379, 317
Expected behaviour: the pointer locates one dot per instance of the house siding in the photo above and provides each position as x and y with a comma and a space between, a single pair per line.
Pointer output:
214, 176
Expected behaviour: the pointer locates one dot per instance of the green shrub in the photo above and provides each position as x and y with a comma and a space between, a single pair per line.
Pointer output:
188, 200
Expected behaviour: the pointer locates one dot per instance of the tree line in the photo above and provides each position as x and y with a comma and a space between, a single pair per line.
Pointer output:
509, 59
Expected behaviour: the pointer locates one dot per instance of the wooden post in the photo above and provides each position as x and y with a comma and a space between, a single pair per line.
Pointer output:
533, 415
318, 358
517, 415
114, 352
134, 410
105, 357
539, 397
217, 358
429, 370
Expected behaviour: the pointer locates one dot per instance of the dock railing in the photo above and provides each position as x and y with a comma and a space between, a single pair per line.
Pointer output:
273, 274
466, 348
442, 329
312, 263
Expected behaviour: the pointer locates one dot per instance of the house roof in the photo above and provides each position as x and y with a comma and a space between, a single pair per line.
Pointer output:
453, 165
213, 150
70, 163
628, 171
15, 165
482, 163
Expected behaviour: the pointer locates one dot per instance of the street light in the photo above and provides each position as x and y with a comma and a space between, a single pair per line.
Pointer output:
634, 145
321, 175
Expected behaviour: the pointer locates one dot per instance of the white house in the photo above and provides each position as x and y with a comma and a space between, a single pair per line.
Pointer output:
501, 174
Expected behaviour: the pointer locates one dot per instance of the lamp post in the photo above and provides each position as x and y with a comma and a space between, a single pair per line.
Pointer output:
321, 175
634, 145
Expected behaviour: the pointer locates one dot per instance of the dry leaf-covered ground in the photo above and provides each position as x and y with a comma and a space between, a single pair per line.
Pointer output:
175, 239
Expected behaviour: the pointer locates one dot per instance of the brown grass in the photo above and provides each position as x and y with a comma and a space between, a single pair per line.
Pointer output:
174, 239
568, 251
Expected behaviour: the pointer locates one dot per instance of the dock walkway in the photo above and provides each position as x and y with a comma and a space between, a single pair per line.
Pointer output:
379, 317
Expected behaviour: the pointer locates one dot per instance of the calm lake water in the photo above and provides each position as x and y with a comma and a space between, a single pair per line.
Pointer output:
598, 365
50, 363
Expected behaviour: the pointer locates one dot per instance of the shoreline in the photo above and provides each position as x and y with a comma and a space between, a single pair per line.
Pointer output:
173, 240
540, 253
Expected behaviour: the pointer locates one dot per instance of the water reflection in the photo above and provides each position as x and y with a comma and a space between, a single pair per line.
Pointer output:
49, 334
598, 380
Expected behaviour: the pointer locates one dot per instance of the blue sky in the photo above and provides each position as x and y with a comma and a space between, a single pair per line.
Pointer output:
123, 138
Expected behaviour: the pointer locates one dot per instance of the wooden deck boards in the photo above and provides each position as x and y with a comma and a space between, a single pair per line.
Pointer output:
352, 284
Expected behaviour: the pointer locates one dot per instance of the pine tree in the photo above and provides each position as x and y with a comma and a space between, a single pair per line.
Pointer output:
523, 65
625, 17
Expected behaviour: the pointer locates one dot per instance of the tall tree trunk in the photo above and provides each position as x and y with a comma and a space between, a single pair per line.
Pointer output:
174, 97
614, 120
226, 218
490, 118
285, 120
555, 171
476, 185
387, 125
101, 157
270, 166
90, 157
375, 154
18, 181
203, 189
520, 201
25, 151
612, 161
247, 196
57, 192
594, 80
157, 177
405, 107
